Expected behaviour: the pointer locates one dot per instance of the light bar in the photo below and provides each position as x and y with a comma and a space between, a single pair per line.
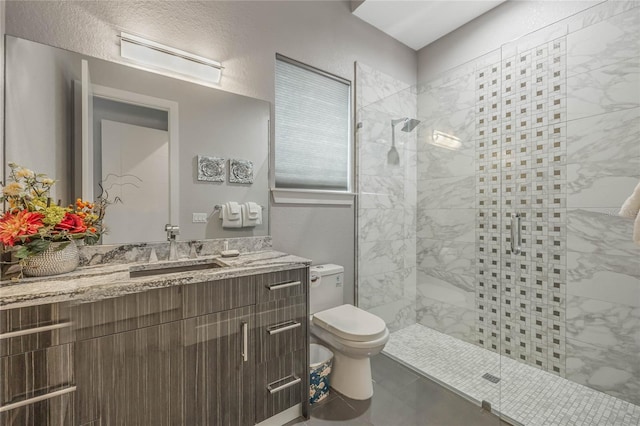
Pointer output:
160, 57
445, 140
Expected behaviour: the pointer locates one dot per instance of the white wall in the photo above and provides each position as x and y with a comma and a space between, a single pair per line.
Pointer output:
244, 36
505, 23
2, 31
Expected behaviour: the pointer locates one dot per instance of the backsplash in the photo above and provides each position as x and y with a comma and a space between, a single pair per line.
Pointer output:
141, 252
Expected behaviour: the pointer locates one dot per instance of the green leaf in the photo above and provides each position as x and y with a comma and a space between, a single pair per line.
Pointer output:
22, 253
91, 239
37, 246
62, 245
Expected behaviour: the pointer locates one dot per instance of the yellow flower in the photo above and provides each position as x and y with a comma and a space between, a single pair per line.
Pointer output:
39, 203
24, 173
53, 215
48, 181
12, 189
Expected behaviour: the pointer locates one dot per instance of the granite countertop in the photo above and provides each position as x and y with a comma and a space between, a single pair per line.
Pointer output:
92, 283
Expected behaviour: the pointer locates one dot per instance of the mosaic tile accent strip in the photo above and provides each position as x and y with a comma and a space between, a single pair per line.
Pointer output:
521, 157
525, 394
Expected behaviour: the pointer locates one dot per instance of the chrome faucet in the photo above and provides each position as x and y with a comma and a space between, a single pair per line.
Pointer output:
172, 232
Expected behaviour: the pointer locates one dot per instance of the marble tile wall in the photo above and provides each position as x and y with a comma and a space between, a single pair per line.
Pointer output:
386, 199
533, 175
446, 205
549, 127
603, 167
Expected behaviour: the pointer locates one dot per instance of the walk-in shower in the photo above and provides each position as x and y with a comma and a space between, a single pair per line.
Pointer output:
493, 248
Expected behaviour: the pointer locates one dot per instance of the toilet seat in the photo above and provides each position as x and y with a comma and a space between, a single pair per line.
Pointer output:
350, 323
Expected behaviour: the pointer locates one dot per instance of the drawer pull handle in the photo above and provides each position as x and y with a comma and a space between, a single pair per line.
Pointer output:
277, 389
245, 341
37, 399
34, 330
279, 328
285, 284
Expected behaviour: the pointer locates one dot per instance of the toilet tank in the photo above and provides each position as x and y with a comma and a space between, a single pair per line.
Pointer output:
325, 287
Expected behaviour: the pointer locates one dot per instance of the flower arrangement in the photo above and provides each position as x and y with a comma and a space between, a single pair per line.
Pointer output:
32, 221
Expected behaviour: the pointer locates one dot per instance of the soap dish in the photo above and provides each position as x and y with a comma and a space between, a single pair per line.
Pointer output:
230, 253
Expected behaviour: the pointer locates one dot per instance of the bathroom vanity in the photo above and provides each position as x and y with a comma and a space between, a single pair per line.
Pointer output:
220, 346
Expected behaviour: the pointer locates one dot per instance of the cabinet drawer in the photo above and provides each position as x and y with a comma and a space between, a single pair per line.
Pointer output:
281, 285
57, 410
34, 327
125, 313
217, 296
280, 384
36, 374
281, 327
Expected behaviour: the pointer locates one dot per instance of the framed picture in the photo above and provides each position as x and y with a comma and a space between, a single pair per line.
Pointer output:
240, 171
211, 169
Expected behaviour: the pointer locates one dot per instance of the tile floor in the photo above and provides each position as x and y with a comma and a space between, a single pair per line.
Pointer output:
401, 398
525, 394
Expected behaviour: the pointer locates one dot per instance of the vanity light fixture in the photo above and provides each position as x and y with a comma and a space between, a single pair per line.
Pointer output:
159, 57
445, 140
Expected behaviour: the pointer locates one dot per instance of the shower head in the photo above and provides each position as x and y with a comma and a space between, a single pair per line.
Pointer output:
408, 123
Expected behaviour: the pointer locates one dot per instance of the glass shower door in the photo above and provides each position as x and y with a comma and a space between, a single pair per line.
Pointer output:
571, 156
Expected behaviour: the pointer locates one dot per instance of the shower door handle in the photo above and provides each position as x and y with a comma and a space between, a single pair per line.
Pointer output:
516, 233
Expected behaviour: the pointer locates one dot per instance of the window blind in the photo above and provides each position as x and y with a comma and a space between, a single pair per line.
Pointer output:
311, 129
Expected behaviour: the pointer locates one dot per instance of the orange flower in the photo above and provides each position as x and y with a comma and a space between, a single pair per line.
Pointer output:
72, 223
13, 226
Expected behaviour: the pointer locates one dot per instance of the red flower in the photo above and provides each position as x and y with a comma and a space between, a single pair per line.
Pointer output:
72, 223
22, 223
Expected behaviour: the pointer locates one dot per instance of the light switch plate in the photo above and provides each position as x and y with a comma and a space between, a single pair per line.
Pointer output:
199, 218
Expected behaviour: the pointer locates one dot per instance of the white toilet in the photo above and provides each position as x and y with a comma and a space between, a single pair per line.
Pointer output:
353, 334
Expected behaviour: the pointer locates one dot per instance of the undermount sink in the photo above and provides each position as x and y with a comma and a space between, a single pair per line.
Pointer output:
174, 267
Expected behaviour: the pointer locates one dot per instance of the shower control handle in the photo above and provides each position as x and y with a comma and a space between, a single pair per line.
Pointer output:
516, 233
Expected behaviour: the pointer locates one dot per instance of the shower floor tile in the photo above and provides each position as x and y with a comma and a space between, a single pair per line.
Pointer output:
524, 394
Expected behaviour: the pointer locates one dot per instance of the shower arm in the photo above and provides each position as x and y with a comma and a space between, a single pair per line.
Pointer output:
393, 134
394, 123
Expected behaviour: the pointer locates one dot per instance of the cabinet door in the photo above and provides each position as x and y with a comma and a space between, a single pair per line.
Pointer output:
219, 366
131, 378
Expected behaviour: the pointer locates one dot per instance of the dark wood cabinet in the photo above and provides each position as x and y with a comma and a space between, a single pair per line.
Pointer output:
219, 368
37, 366
282, 360
131, 378
225, 352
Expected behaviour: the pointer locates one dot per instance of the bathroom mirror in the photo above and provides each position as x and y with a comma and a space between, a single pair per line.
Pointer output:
93, 124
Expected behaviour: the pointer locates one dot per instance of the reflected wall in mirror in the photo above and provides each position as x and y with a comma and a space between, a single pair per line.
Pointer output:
92, 124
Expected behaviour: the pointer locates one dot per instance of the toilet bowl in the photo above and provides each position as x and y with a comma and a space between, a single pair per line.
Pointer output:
354, 335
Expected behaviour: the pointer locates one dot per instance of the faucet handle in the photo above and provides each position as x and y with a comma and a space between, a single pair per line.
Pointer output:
172, 231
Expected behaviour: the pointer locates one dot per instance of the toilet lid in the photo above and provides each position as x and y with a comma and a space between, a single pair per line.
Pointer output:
350, 323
